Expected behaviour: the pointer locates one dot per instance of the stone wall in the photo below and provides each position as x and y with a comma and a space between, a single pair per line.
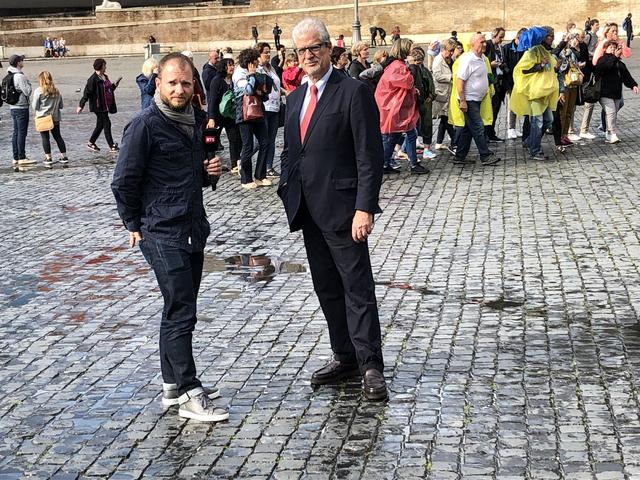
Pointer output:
199, 28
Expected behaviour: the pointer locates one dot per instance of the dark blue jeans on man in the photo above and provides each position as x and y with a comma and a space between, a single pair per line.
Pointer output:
272, 119
20, 118
473, 128
178, 272
539, 125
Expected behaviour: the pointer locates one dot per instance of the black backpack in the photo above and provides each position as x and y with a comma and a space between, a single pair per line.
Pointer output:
9, 93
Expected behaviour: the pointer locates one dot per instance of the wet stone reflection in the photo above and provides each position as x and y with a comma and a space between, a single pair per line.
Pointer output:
252, 268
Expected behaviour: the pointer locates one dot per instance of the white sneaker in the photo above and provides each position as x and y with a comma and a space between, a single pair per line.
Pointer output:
573, 137
512, 134
26, 161
428, 154
587, 136
440, 146
265, 182
170, 393
612, 138
196, 405
519, 133
606, 137
250, 185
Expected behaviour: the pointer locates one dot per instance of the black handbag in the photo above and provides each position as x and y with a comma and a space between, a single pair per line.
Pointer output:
591, 90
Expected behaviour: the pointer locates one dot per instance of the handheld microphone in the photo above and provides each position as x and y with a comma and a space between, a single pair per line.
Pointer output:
211, 141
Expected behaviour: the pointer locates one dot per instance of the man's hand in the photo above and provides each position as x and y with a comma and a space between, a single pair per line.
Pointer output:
78, 110
133, 238
463, 105
362, 226
213, 166
635, 89
561, 98
211, 123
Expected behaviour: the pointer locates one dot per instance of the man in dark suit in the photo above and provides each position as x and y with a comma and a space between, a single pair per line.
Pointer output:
331, 176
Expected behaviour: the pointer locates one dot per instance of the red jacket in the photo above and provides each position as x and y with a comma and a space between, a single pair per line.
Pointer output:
292, 78
396, 99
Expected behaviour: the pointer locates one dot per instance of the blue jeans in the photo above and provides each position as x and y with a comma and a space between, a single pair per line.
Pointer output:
178, 273
539, 125
390, 140
20, 118
247, 132
272, 119
473, 128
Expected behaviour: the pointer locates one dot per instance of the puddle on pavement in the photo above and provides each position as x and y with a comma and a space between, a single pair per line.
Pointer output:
407, 286
501, 303
252, 268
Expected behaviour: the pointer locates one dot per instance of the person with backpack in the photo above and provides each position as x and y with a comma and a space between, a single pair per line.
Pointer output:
221, 109
48, 101
16, 90
99, 92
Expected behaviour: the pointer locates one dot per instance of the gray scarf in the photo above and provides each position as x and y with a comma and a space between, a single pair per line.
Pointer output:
185, 120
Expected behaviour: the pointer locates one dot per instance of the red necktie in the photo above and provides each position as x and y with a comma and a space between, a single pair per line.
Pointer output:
307, 115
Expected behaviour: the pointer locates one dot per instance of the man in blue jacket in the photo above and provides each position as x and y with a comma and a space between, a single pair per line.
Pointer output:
157, 184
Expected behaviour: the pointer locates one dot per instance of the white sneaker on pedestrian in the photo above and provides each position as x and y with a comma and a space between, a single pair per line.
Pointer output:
249, 186
512, 134
170, 393
587, 136
196, 405
606, 137
519, 133
440, 146
573, 137
612, 138
26, 161
265, 182
428, 154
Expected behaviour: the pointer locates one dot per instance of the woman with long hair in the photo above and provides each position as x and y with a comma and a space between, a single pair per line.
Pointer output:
340, 60
147, 82
271, 106
100, 93
220, 85
247, 81
396, 99
48, 101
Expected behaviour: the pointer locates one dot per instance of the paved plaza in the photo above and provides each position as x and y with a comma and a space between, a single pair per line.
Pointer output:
509, 300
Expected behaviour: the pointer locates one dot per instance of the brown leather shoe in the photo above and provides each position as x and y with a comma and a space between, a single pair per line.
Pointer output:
375, 387
334, 371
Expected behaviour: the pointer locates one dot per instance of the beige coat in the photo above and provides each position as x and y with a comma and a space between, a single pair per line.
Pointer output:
442, 78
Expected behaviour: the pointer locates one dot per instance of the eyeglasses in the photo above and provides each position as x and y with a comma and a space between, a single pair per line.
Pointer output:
314, 49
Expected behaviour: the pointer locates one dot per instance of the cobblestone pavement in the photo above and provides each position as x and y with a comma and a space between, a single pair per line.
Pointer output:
508, 295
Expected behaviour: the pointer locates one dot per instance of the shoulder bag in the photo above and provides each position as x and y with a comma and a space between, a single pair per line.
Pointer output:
44, 124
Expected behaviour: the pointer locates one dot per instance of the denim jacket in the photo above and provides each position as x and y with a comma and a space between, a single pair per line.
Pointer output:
158, 180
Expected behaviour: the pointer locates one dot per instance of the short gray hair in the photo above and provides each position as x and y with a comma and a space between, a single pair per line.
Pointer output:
311, 25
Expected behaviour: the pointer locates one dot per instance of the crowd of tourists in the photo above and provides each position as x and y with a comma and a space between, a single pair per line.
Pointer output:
456, 86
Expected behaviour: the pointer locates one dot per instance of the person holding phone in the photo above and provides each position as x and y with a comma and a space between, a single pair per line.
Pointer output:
100, 93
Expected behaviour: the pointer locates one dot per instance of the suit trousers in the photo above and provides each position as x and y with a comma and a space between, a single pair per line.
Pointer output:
178, 273
343, 281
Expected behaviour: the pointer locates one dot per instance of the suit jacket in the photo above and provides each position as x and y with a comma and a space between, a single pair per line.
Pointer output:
338, 167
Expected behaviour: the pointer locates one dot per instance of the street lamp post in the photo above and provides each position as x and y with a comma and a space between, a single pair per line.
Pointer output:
355, 35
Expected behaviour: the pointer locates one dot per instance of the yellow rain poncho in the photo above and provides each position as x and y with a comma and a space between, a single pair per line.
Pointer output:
456, 117
533, 93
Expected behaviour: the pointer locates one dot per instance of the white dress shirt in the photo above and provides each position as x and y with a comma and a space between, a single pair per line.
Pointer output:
320, 84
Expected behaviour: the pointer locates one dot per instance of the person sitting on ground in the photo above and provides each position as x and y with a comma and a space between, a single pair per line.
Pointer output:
48, 47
